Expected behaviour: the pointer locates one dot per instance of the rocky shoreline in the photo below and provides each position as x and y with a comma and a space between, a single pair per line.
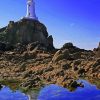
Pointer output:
38, 67
36, 63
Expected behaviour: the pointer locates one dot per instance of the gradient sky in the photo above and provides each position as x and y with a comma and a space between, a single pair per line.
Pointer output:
76, 21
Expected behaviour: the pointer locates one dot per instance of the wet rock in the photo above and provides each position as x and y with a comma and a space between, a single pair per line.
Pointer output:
75, 84
1, 86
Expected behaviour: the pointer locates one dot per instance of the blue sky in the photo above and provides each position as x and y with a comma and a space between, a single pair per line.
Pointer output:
76, 21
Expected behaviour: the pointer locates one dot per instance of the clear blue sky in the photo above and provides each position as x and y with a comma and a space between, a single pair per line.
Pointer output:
76, 21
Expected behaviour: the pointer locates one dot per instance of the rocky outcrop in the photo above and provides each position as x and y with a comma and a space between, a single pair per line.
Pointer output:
37, 66
26, 31
27, 54
70, 52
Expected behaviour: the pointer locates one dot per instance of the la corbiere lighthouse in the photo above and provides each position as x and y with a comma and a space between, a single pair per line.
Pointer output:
31, 10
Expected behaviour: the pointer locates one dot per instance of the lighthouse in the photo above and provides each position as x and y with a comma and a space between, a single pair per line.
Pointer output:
31, 10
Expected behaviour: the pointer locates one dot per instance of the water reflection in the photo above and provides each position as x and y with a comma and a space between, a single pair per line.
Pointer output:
7, 94
54, 92
32, 96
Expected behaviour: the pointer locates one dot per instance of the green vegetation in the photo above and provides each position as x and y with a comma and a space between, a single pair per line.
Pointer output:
15, 85
12, 84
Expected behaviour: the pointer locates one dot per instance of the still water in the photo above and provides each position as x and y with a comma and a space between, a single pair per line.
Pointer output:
54, 92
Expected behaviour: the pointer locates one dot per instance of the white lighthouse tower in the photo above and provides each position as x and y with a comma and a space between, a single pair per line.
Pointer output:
31, 10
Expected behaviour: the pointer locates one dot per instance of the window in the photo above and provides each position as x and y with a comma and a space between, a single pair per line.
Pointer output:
29, 14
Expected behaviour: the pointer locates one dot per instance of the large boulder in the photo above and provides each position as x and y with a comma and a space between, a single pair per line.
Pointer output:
67, 45
71, 48
60, 55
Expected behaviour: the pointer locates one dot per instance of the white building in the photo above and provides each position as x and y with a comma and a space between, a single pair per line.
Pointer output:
31, 10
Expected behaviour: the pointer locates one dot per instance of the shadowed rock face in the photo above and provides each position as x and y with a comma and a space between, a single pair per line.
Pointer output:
97, 51
25, 31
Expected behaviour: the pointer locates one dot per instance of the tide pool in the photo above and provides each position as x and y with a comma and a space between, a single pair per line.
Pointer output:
53, 92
